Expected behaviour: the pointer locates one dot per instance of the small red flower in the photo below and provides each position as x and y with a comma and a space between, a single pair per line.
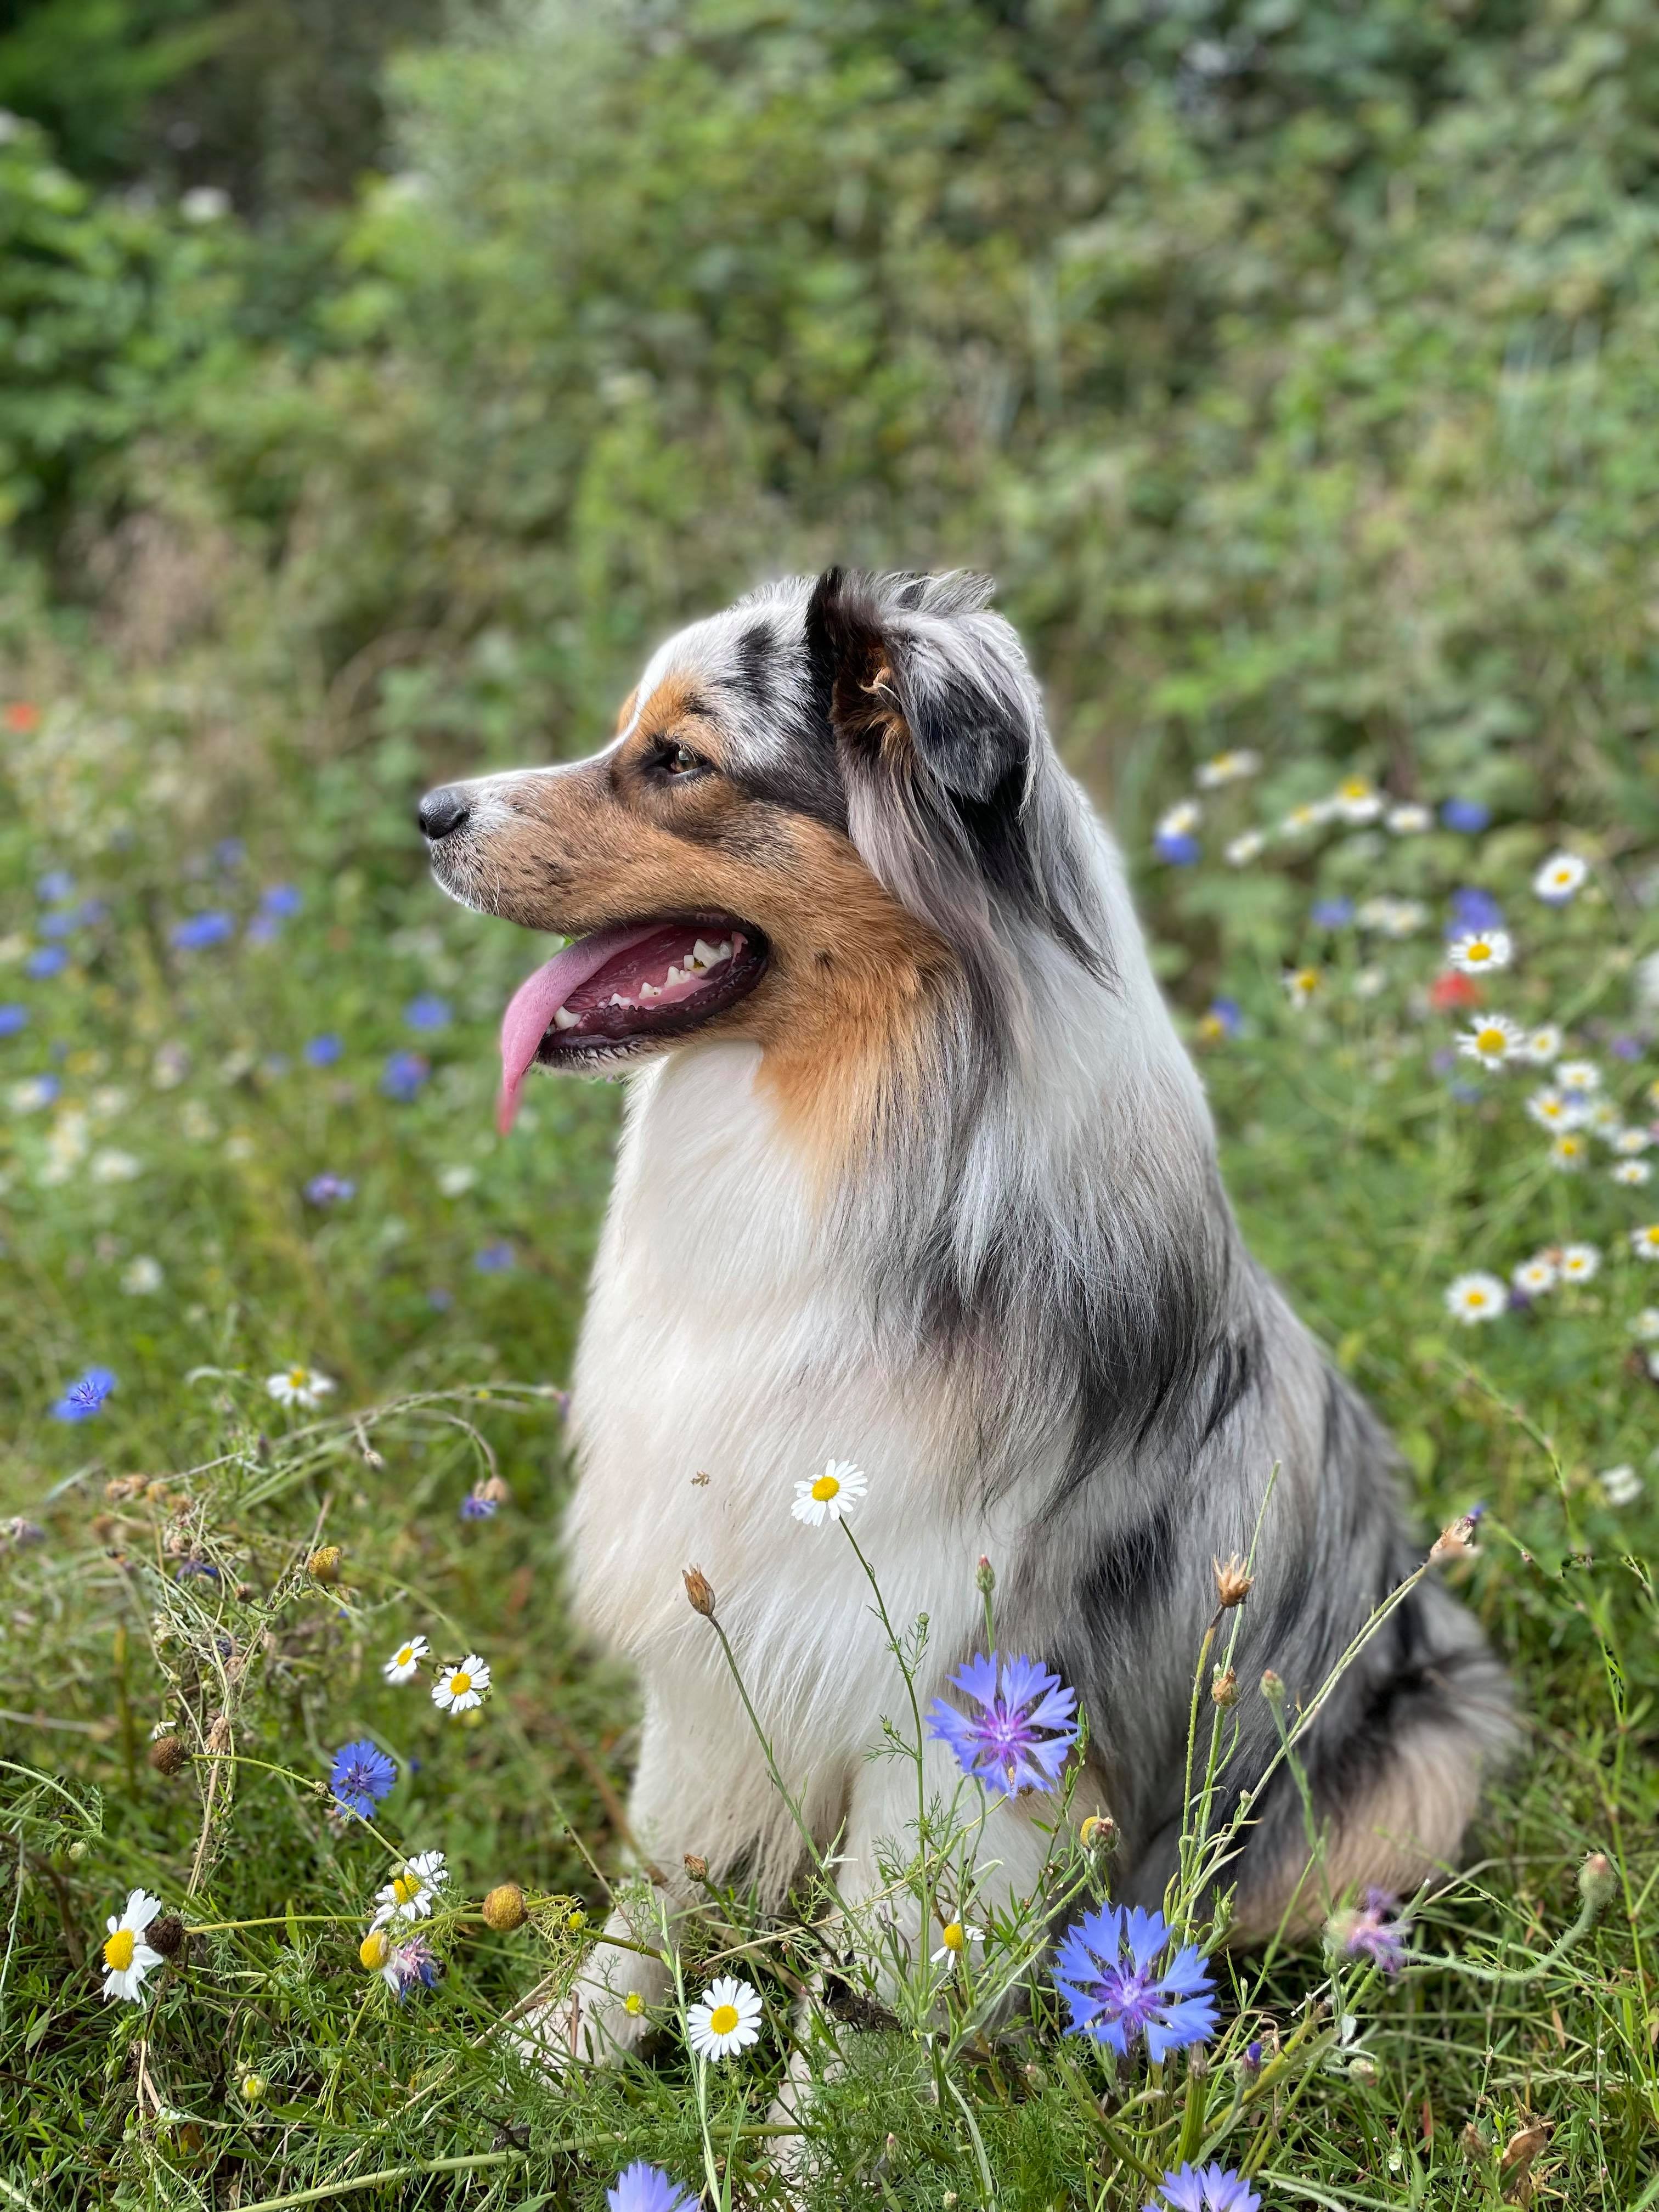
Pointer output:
1451, 991
21, 716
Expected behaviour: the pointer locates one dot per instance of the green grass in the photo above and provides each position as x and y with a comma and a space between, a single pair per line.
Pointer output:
1361, 1179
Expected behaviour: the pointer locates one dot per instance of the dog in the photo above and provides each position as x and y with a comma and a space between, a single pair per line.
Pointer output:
915, 1173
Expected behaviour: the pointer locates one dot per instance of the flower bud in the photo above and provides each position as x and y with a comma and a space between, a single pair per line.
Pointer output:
218, 1734
496, 1489
985, 1577
1363, 2069
253, 2088
1232, 1583
167, 1754
701, 1592
373, 1951
1223, 1687
324, 1565
504, 1908
695, 1867
1598, 1882
1098, 1832
166, 1935
1456, 1540
575, 1922
1273, 1690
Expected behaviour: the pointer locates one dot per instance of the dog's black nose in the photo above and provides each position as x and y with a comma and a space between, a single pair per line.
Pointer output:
442, 812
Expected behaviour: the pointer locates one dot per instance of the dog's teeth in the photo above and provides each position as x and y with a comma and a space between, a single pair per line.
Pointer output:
649, 991
617, 999
564, 1019
710, 956
675, 976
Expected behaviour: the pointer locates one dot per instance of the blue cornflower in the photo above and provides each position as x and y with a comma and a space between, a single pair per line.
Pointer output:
1332, 913
642, 2188
1622, 1047
262, 929
1108, 1970
86, 1398
197, 930
1177, 848
63, 923
55, 887
474, 1506
428, 1011
188, 1569
50, 960
1473, 909
361, 1775
1204, 2189
495, 1259
329, 1189
13, 1019
412, 1964
1376, 1932
1471, 815
403, 1074
323, 1051
1021, 1733
229, 853
282, 900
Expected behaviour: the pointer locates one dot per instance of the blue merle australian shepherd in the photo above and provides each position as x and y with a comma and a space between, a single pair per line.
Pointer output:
916, 1174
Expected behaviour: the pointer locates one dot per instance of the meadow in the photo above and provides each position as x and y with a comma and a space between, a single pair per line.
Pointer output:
1291, 369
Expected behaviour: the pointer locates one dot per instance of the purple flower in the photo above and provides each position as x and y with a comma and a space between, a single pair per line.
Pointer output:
64, 923
1175, 847
54, 887
198, 931
1021, 1733
642, 2188
323, 1051
440, 1299
281, 899
86, 1398
188, 1569
1228, 1015
495, 1259
1623, 1047
1473, 909
1108, 1970
262, 929
13, 1019
1471, 815
474, 1506
1466, 1094
412, 1964
1204, 2189
1376, 1932
428, 1012
50, 960
229, 853
361, 1775
1332, 913
403, 1074
329, 1189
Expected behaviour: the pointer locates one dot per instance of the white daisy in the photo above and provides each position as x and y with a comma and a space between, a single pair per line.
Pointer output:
1644, 1241
1535, 1276
141, 1276
1357, 800
1605, 1119
1238, 852
1579, 1077
1493, 1039
1409, 820
1559, 878
1632, 1173
299, 1386
1628, 1142
412, 1891
1569, 1151
833, 1496
1551, 1109
1479, 950
1300, 819
1646, 1324
954, 1940
1579, 1262
1300, 984
127, 1956
1392, 917
724, 2018
1227, 767
1476, 1298
1621, 1485
457, 1689
1541, 1046
406, 1662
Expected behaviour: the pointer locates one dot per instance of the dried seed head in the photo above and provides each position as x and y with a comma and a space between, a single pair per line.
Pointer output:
324, 1565
496, 1491
373, 1950
218, 1735
1223, 1687
1232, 1584
504, 1908
1473, 2143
167, 1754
695, 1867
1598, 1882
700, 1591
166, 1935
1456, 1540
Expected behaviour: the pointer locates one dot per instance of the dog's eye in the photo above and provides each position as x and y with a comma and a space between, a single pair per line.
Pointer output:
678, 760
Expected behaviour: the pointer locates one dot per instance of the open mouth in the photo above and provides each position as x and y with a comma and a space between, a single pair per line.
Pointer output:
607, 995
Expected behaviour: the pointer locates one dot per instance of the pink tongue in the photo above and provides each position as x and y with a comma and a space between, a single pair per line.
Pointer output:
539, 998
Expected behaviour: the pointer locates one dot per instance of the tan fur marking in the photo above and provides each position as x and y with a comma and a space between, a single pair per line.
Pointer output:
627, 707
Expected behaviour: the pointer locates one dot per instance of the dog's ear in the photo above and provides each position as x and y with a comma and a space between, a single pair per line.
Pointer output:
923, 681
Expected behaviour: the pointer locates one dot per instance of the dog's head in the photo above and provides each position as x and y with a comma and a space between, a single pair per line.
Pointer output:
824, 812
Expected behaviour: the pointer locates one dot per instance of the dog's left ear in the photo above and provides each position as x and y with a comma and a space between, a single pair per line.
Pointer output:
927, 682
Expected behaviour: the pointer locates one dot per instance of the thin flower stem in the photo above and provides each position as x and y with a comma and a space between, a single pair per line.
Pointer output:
778, 1781
928, 1909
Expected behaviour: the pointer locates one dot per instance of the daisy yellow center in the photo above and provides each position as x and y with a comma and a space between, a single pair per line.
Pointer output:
459, 1683
953, 1938
118, 1952
373, 1951
723, 2020
406, 1888
1479, 952
1477, 1297
297, 1378
633, 2003
1491, 1040
826, 1487
405, 1655
1356, 790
